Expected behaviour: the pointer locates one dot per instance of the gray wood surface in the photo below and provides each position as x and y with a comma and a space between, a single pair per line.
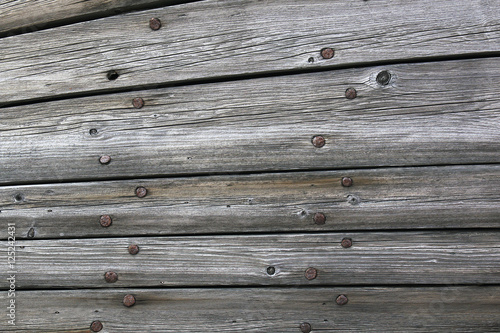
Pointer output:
393, 198
432, 114
234, 91
29, 16
427, 257
439, 309
214, 38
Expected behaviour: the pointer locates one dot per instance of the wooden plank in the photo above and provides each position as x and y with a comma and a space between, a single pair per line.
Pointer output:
442, 309
471, 257
211, 39
430, 115
394, 198
20, 16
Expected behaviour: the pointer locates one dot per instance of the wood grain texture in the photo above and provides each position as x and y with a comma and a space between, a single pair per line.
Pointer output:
443, 309
431, 114
29, 16
394, 198
212, 38
436, 257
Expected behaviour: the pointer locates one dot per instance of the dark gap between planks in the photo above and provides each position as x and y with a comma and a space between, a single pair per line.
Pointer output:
233, 173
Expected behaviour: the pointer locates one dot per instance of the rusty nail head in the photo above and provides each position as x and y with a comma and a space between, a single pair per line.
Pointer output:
311, 273
346, 181
141, 192
327, 53
111, 277
105, 159
342, 300
96, 326
133, 249
305, 327
128, 300
383, 78
138, 102
351, 93
155, 23
346, 242
319, 218
105, 221
318, 141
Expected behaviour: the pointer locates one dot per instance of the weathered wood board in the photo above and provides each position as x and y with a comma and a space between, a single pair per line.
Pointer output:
240, 120
393, 198
29, 16
369, 309
219, 39
431, 114
399, 258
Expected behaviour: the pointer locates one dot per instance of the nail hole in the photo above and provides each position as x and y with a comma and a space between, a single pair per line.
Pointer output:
310, 60
31, 233
228, 206
49, 211
271, 270
353, 200
383, 78
19, 197
93, 132
112, 75
57, 312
